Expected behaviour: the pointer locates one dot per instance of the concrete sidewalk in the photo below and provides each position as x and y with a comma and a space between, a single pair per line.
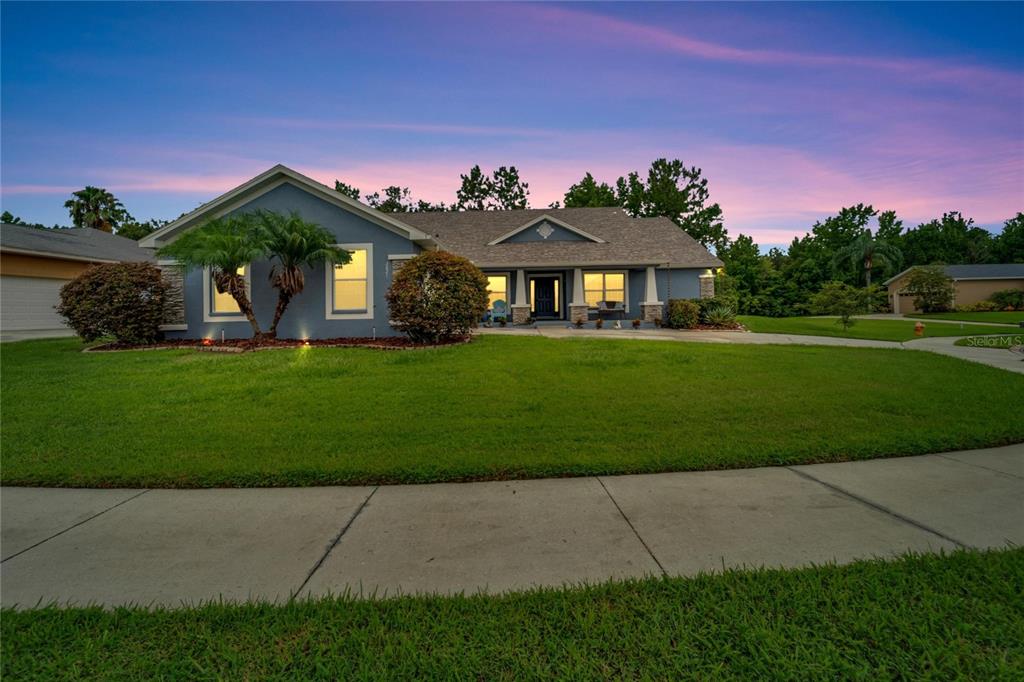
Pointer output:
182, 546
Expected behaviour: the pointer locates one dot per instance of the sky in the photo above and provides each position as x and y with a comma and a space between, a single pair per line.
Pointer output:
791, 110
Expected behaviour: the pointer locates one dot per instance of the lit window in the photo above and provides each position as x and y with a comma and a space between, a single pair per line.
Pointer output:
224, 303
604, 286
497, 291
351, 283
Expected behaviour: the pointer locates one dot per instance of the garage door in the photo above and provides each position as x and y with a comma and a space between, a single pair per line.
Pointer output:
27, 303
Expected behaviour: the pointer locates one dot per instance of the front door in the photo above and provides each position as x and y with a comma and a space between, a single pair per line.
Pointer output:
545, 295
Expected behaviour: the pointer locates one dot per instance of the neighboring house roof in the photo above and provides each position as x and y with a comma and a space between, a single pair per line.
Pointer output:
625, 240
974, 271
79, 244
263, 183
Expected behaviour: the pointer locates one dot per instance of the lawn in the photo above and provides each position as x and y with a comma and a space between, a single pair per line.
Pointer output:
878, 330
958, 616
1001, 317
1001, 341
500, 407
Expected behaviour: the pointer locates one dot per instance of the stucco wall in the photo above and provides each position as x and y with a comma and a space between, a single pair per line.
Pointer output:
966, 292
306, 314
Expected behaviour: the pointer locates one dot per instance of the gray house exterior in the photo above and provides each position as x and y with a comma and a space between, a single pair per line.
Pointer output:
554, 264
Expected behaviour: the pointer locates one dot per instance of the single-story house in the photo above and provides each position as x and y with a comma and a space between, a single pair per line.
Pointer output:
971, 284
546, 264
35, 263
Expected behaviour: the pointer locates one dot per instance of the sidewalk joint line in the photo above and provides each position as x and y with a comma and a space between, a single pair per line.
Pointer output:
632, 527
881, 508
980, 466
72, 527
334, 543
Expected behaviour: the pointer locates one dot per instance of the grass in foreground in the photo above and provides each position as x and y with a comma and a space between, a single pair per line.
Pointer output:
943, 617
500, 407
877, 330
1001, 317
1000, 341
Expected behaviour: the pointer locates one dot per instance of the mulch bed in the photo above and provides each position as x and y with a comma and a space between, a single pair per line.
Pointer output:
244, 345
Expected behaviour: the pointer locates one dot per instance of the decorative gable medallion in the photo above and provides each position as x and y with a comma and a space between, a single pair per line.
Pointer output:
545, 230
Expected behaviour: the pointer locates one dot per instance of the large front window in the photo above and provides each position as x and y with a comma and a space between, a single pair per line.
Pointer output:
604, 286
351, 286
497, 293
224, 303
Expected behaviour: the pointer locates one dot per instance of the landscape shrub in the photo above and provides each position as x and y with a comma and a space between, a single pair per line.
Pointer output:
979, 307
719, 315
1008, 298
123, 300
683, 313
931, 288
839, 298
437, 296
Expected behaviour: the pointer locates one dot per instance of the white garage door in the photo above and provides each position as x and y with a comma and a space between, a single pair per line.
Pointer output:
27, 303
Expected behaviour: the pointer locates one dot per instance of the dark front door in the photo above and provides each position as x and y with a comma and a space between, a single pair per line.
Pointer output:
544, 293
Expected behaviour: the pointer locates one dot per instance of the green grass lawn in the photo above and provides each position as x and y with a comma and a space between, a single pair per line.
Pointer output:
958, 616
1000, 341
1001, 317
500, 407
878, 330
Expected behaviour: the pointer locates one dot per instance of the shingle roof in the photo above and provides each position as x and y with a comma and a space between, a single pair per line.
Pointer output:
628, 241
78, 244
994, 271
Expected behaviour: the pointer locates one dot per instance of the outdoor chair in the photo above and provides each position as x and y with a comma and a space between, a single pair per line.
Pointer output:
610, 309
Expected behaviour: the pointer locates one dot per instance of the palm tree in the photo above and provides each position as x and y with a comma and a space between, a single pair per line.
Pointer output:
224, 245
97, 208
294, 243
865, 252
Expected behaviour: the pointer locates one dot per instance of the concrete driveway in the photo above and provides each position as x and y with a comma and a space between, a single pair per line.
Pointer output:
174, 547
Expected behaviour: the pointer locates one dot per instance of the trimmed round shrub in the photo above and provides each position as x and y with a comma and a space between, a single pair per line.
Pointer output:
437, 296
123, 300
683, 314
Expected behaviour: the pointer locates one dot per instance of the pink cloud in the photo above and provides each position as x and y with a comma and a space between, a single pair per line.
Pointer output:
430, 128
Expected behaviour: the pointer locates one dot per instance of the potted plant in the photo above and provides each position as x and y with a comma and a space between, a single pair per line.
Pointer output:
599, 323
578, 323
636, 323
501, 320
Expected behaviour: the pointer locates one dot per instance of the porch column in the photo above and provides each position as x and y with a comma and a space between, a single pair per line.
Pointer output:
520, 309
578, 309
707, 284
651, 309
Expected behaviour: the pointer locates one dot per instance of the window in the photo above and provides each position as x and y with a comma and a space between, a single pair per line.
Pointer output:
224, 303
350, 286
604, 286
497, 290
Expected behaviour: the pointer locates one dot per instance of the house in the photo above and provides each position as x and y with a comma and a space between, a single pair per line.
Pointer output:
35, 263
546, 264
971, 284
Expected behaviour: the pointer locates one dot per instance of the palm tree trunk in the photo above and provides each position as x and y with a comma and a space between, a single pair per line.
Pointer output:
234, 284
283, 298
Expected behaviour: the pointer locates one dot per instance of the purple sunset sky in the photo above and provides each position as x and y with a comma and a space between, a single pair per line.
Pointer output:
792, 110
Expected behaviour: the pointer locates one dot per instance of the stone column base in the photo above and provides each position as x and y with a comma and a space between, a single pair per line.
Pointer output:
649, 312
520, 314
707, 286
579, 312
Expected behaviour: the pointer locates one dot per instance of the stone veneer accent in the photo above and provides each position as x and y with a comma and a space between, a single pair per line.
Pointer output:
649, 312
578, 312
520, 314
707, 286
174, 298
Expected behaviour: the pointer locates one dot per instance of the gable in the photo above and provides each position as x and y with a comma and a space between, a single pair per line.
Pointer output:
278, 176
545, 228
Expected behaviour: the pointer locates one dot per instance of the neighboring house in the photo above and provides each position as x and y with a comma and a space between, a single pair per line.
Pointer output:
35, 263
552, 264
971, 284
